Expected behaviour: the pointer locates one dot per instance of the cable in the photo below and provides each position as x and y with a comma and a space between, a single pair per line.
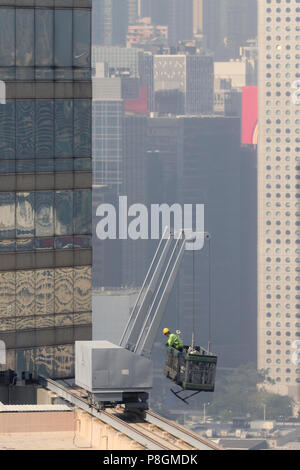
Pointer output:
193, 333
209, 295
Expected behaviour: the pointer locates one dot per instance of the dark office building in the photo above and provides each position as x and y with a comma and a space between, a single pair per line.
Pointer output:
156, 9
45, 183
134, 252
215, 173
191, 75
227, 25
202, 158
106, 253
180, 21
111, 19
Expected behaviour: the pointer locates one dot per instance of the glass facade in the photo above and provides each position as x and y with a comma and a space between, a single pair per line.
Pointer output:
45, 135
108, 117
45, 43
45, 184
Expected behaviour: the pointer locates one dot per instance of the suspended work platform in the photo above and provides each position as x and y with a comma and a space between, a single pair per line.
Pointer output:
191, 370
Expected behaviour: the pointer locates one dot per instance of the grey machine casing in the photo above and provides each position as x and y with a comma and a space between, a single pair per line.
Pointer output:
108, 371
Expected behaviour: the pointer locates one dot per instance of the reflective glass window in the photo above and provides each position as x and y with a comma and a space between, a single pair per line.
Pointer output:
7, 166
82, 128
7, 294
64, 242
63, 164
84, 241
44, 166
44, 220
83, 164
25, 290
63, 38
44, 37
25, 215
7, 215
44, 129
63, 212
24, 37
7, 245
82, 211
44, 291
7, 37
63, 290
44, 243
7, 130
82, 38
82, 289
25, 166
25, 244
64, 128
25, 129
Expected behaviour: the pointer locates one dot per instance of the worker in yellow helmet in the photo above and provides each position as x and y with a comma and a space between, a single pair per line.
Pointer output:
173, 340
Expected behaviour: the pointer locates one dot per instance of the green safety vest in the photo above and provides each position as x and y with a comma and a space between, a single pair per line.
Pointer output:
175, 342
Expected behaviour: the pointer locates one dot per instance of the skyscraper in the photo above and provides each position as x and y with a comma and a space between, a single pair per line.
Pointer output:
193, 152
191, 75
45, 184
180, 20
156, 9
278, 194
228, 24
198, 16
110, 21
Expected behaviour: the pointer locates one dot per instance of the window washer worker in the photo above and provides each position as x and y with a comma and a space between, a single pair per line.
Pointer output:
173, 340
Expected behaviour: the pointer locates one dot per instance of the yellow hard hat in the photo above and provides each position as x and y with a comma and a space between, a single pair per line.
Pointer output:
166, 330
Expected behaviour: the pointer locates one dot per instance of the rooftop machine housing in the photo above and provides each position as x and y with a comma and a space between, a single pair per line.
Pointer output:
122, 374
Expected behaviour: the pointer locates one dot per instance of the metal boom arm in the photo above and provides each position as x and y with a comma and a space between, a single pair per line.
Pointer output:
141, 329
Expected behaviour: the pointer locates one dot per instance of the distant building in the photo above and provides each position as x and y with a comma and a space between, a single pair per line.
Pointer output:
227, 101
156, 9
111, 19
189, 153
117, 57
144, 32
189, 74
227, 25
240, 72
134, 262
180, 21
134, 61
108, 112
198, 16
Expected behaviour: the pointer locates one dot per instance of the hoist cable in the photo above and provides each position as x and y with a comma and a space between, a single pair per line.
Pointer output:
209, 295
193, 333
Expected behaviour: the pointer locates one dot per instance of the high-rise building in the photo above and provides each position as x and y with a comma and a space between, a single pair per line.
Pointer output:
134, 263
117, 58
191, 152
180, 21
189, 74
278, 195
136, 62
227, 25
111, 19
198, 16
45, 183
108, 114
157, 10
132, 11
